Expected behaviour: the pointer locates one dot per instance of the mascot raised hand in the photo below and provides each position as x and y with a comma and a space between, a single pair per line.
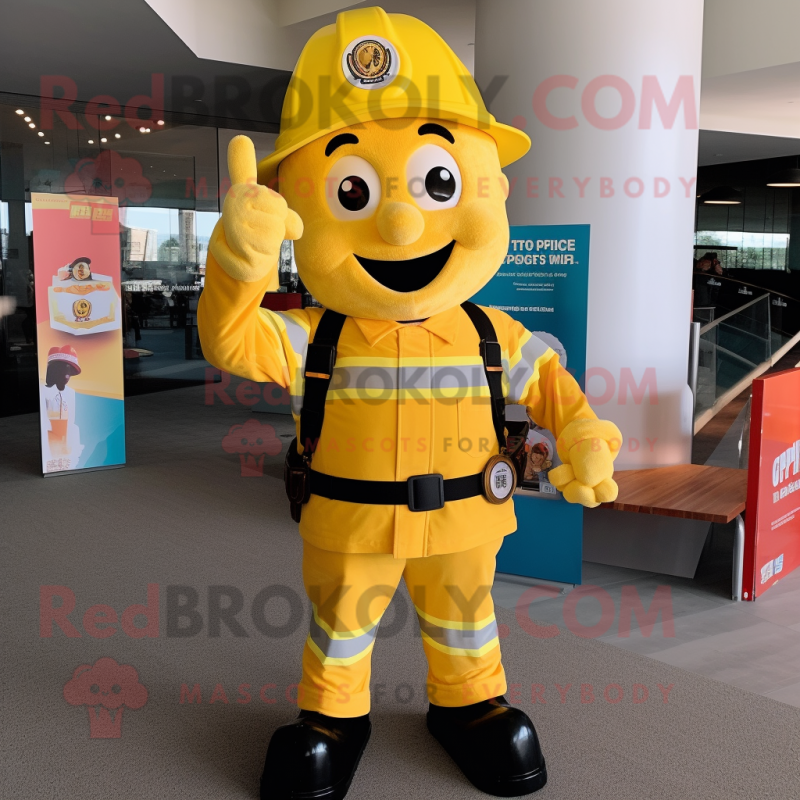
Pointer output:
387, 175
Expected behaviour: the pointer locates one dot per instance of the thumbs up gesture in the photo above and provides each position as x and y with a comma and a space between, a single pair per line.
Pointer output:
255, 220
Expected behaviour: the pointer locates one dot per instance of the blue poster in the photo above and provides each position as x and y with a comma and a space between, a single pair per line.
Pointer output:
544, 283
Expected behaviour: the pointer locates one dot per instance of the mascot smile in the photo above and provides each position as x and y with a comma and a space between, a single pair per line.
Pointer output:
387, 174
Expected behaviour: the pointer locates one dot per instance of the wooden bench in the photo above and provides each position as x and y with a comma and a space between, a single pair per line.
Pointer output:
689, 491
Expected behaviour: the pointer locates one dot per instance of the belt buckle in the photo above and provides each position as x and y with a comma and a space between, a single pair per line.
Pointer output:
426, 492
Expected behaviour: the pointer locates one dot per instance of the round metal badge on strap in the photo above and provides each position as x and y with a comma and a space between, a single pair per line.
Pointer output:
499, 479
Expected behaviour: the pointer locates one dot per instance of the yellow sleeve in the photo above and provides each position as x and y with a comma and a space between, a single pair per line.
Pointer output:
536, 379
240, 337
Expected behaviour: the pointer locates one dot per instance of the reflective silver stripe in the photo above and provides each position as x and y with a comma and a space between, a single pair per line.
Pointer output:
298, 336
523, 370
446, 377
383, 383
457, 638
297, 403
341, 648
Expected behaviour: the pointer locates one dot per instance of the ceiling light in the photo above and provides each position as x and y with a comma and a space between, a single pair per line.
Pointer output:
117, 136
108, 117
721, 196
41, 133
31, 124
160, 122
20, 111
91, 141
27, 119
142, 129
47, 142
788, 178
104, 139
147, 130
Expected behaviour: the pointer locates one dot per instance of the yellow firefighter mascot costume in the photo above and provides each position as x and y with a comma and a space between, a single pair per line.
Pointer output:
387, 174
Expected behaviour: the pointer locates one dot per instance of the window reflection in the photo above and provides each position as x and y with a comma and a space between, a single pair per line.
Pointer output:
170, 180
747, 250
164, 254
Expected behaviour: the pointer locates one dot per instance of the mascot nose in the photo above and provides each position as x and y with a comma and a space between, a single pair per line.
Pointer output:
400, 223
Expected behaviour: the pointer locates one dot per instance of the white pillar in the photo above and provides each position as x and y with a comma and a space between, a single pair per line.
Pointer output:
586, 80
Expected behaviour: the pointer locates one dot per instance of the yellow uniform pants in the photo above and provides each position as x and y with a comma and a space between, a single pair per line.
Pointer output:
349, 593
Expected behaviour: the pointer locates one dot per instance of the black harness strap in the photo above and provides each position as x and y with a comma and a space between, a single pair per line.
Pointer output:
320, 359
492, 355
425, 492
419, 492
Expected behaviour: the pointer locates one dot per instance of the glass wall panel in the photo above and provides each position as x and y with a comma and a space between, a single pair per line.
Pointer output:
169, 179
748, 250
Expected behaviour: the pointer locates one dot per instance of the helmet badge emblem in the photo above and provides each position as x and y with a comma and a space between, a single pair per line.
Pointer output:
370, 62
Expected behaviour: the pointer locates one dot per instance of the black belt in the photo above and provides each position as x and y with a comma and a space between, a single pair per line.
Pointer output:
419, 492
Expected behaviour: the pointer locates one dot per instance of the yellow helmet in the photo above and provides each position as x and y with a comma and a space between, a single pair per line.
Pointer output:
372, 65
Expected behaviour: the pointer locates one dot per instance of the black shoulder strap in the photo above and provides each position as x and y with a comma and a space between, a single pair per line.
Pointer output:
320, 358
492, 355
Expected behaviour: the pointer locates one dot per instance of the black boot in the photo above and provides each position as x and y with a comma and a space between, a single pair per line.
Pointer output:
314, 757
494, 744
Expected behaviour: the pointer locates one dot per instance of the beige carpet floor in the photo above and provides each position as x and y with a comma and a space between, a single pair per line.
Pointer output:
182, 514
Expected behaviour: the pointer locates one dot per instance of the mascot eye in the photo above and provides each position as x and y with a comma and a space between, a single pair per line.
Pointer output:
353, 188
353, 193
440, 184
434, 179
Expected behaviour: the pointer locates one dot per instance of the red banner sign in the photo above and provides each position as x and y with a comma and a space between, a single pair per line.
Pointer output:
772, 525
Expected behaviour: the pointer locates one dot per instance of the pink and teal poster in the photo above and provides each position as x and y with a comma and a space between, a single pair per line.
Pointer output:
79, 331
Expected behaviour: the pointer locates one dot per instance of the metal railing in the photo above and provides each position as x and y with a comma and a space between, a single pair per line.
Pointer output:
727, 353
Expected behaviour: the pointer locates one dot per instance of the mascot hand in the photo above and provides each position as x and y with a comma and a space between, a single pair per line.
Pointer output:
587, 448
255, 220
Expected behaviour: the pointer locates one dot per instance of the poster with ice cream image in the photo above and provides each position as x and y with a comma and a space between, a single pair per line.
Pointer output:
79, 331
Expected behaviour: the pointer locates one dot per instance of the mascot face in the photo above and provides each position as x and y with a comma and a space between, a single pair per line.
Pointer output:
403, 218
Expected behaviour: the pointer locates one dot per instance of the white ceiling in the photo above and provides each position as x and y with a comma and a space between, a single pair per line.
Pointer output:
762, 101
722, 147
271, 33
751, 53
751, 67
746, 35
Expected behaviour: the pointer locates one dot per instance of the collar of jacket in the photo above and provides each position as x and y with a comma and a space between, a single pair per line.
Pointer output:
444, 325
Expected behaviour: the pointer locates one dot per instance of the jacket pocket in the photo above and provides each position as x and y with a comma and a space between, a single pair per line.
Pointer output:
476, 434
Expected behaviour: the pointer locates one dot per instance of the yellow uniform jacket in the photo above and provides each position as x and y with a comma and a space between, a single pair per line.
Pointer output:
405, 399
